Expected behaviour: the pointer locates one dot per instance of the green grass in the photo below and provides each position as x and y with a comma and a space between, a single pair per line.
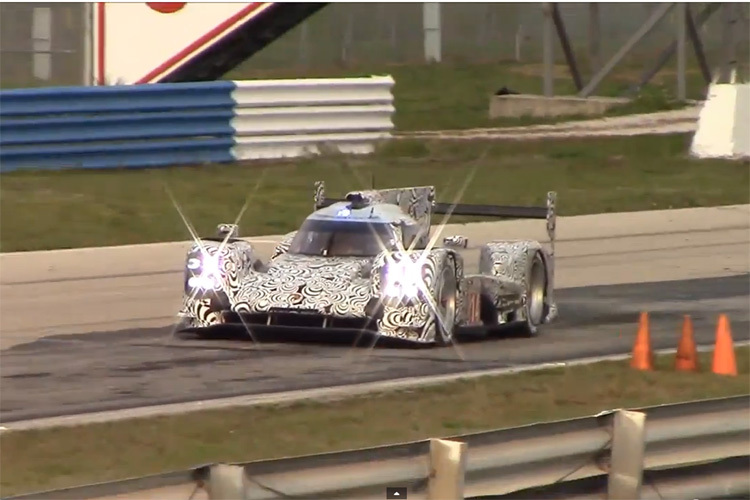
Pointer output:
69, 209
55, 458
456, 95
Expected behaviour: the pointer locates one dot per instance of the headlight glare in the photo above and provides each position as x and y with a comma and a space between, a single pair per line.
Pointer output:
211, 265
204, 272
402, 279
203, 282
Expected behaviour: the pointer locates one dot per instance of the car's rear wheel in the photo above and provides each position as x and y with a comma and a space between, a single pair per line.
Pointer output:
445, 317
536, 296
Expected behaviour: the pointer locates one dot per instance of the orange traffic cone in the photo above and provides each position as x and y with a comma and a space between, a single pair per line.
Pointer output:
687, 355
643, 357
724, 362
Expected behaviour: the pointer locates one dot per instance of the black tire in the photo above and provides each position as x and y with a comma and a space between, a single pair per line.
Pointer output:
535, 309
183, 329
445, 299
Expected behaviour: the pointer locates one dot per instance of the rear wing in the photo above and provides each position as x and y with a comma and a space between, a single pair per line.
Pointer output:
506, 212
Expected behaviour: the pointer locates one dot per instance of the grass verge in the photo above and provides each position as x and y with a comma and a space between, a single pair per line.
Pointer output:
70, 209
55, 458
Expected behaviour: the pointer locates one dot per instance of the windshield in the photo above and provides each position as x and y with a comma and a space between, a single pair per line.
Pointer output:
342, 239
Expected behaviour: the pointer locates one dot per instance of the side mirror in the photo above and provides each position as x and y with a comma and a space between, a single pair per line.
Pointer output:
228, 229
456, 241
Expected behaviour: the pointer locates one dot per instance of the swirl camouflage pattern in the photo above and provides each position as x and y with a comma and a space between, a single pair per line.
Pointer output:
362, 263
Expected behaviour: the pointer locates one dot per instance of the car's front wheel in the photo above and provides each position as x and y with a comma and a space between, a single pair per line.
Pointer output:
445, 317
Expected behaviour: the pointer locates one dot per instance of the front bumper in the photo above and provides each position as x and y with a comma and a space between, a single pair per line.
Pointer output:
409, 323
297, 319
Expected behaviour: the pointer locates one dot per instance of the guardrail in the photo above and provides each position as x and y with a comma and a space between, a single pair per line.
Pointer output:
191, 123
722, 479
498, 462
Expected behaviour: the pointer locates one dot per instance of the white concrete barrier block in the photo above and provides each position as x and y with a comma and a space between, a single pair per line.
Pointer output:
724, 123
742, 121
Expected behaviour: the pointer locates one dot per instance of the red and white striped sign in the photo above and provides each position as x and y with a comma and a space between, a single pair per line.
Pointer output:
142, 42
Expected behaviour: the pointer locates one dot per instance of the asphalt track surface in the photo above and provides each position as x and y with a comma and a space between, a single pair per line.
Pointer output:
57, 361
74, 374
139, 286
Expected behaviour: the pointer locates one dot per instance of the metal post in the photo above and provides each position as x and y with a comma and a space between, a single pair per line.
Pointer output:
681, 54
519, 41
648, 74
570, 57
432, 36
549, 51
304, 43
222, 481
88, 43
346, 46
447, 470
41, 28
595, 37
727, 42
695, 39
628, 447
656, 16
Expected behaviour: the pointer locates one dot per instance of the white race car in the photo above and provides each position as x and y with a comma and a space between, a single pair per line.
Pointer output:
365, 263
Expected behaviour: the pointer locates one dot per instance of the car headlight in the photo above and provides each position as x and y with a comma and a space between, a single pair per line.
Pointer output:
205, 272
402, 279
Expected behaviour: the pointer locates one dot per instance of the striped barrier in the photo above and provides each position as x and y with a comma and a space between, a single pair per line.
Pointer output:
191, 123
288, 118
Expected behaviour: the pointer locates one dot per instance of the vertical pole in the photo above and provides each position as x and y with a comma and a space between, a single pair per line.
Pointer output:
303, 45
667, 53
570, 58
548, 51
644, 29
346, 46
88, 43
447, 470
432, 35
41, 29
727, 42
681, 50
225, 482
595, 38
519, 41
697, 45
628, 448
393, 19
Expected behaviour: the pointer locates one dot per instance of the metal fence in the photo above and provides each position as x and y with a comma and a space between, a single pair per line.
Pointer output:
501, 462
44, 43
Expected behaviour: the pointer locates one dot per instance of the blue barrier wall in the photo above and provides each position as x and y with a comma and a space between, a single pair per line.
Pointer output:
117, 126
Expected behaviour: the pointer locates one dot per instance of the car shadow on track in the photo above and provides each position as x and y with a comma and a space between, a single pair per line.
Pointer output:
341, 338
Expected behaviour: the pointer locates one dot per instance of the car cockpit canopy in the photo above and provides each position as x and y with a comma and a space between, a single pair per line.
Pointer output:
341, 238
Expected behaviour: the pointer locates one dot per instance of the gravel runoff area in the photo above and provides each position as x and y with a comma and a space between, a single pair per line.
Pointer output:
679, 121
